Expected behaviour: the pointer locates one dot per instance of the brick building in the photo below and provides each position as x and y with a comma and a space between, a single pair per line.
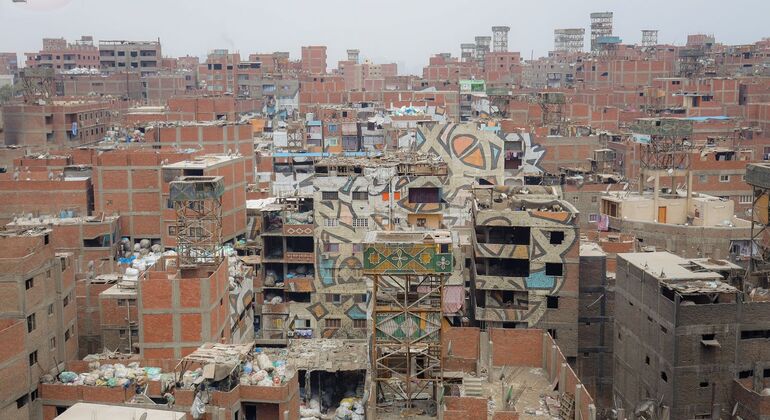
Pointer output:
684, 333
37, 318
314, 59
33, 193
57, 123
60, 55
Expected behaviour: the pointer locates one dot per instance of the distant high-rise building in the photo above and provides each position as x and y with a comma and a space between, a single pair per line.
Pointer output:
601, 26
482, 48
500, 38
353, 55
649, 37
467, 52
569, 40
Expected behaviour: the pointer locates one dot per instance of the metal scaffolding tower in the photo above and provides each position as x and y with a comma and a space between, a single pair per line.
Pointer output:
758, 177
649, 37
665, 149
500, 38
408, 270
601, 26
198, 206
569, 40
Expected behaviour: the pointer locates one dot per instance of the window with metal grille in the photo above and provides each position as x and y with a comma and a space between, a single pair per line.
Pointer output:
333, 323
360, 195
359, 323
330, 195
331, 222
360, 222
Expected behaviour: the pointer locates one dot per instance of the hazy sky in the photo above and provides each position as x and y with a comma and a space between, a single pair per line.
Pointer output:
402, 31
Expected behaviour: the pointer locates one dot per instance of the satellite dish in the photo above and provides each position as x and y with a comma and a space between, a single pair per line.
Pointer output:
670, 171
143, 416
650, 179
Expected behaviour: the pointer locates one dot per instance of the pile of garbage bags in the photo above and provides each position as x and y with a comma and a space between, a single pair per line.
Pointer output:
112, 375
349, 409
263, 372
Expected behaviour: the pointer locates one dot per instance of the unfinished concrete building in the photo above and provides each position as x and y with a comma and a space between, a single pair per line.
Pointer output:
569, 40
595, 319
601, 26
685, 330
285, 283
524, 273
140, 56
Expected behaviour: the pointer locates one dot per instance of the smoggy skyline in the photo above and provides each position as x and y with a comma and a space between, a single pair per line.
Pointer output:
402, 31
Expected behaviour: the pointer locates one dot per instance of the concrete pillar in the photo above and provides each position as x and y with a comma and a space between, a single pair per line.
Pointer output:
578, 397
563, 379
655, 196
665, 413
621, 414
554, 358
491, 366
688, 202
544, 360
592, 412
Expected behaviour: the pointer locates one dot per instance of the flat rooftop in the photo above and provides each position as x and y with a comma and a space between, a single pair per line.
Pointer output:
324, 354
667, 267
58, 220
202, 162
120, 290
89, 411
591, 249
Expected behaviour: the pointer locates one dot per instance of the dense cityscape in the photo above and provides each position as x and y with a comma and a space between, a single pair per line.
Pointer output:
255, 236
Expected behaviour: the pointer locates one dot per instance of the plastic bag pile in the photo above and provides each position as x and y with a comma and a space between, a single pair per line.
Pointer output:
112, 375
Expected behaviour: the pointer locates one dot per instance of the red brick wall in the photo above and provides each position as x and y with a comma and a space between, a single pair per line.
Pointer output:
514, 347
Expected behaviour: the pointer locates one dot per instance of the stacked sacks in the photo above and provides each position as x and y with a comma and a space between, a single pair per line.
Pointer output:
263, 372
114, 375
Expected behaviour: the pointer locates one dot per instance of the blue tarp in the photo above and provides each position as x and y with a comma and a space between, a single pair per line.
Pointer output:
702, 119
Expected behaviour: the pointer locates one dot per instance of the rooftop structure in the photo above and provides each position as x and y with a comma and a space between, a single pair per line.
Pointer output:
198, 205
